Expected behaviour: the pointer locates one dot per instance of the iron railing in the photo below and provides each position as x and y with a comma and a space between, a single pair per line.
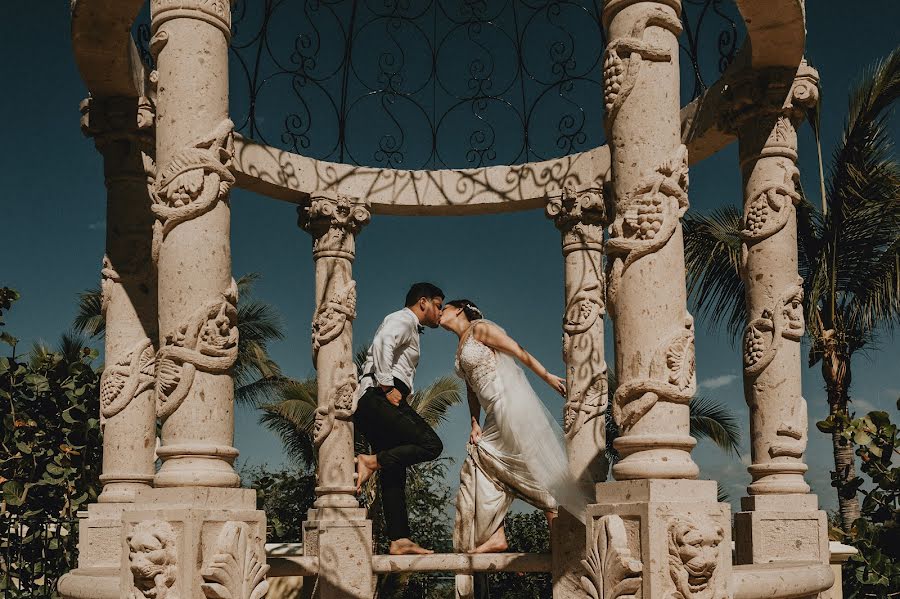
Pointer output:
34, 553
437, 83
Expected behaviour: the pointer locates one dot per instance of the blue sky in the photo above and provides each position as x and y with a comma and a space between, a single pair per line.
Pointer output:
53, 210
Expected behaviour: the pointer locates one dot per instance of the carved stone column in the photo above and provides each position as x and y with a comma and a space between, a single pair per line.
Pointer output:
580, 216
195, 534
767, 109
122, 129
654, 532
337, 529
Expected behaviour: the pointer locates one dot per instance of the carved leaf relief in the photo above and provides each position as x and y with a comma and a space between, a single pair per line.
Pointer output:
235, 571
130, 376
612, 570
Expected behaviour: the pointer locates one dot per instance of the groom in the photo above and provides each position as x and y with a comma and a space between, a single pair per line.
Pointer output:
397, 434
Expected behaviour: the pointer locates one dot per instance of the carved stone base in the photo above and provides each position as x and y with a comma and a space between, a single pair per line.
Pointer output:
781, 528
342, 539
567, 550
180, 543
99, 554
658, 539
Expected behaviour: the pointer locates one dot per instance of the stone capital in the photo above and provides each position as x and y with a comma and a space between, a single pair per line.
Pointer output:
117, 117
771, 93
580, 215
214, 12
333, 221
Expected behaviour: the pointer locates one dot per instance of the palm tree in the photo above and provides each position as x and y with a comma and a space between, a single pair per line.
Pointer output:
256, 375
849, 259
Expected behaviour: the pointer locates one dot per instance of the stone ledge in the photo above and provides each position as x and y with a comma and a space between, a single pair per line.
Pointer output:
781, 580
457, 563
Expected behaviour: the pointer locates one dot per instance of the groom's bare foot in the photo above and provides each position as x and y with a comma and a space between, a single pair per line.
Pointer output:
495, 544
407, 547
366, 465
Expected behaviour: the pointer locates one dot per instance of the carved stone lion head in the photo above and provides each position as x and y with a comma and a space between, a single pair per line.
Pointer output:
693, 557
152, 558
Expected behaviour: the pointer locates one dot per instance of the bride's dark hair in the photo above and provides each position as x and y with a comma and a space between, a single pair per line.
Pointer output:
469, 309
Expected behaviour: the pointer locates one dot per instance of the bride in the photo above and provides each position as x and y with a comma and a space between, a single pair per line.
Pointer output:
518, 452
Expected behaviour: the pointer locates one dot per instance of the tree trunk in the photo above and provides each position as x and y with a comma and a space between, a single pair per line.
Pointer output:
836, 372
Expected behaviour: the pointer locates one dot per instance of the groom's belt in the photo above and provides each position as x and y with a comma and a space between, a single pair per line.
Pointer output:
399, 385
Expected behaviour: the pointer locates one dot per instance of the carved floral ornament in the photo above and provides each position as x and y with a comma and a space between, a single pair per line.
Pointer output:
333, 221
625, 56
647, 217
192, 182
782, 319
694, 558
128, 377
236, 570
340, 405
208, 342
672, 377
613, 571
152, 560
588, 405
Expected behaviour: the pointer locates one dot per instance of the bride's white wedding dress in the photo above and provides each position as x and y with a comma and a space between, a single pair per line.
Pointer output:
520, 454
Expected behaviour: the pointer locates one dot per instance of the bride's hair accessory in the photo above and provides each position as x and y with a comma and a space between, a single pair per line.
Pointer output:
469, 309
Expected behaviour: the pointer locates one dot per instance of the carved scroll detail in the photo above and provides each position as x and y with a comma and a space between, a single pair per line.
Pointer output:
770, 210
152, 559
626, 55
192, 182
783, 319
332, 315
591, 404
235, 570
612, 571
672, 378
130, 376
646, 218
108, 279
208, 341
694, 558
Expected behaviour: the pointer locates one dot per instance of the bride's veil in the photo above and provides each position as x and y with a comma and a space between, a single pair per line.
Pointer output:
537, 435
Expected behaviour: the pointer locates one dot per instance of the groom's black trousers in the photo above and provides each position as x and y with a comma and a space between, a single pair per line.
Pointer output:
399, 438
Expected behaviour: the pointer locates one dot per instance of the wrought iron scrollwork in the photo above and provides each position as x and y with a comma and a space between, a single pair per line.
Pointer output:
435, 83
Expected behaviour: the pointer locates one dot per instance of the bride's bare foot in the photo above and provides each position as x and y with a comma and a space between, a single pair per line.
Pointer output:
407, 547
366, 465
495, 544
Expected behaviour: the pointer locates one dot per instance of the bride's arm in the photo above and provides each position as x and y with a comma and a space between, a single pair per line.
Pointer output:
475, 412
496, 339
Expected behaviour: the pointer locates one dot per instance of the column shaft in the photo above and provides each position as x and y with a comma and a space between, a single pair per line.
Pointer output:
123, 133
197, 296
654, 334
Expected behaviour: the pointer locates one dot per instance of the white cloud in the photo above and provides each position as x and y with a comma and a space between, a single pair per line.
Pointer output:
861, 406
97, 225
723, 380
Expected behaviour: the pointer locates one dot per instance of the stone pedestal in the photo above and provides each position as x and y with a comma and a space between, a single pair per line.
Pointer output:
658, 538
193, 542
342, 540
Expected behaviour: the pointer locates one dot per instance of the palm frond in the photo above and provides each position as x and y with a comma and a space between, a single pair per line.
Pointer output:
89, 315
362, 352
292, 418
261, 391
71, 346
433, 402
714, 421
712, 253
722, 495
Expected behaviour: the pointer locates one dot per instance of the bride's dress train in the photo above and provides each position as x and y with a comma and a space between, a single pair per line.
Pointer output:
520, 454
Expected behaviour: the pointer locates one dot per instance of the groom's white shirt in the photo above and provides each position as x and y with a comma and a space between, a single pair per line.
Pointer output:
394, 351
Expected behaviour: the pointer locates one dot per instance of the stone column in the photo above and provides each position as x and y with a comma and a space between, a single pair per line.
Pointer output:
195, 534
122, 129
767, 108
337, 530
580, 216
654, 519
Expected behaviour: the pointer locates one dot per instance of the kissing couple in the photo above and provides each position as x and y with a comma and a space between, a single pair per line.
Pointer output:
515, 452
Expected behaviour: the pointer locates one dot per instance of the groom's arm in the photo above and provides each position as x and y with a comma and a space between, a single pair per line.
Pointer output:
384, 349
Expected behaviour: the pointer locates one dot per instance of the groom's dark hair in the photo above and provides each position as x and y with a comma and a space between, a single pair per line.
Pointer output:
420, 290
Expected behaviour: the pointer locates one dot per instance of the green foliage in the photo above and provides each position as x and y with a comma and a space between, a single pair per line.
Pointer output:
50, 456
50, 449
875, 570
286, 496
526, 532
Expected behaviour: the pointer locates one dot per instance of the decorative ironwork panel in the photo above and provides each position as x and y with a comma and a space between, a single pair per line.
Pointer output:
425, 84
